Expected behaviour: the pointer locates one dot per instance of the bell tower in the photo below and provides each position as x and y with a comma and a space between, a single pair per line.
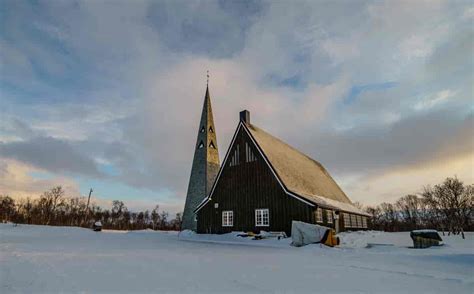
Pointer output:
205, 164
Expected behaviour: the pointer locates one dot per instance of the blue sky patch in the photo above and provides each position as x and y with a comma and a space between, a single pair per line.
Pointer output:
357, 90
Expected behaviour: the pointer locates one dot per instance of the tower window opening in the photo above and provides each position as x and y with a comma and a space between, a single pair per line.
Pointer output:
201, 144
211, 130
203, 129
211, 145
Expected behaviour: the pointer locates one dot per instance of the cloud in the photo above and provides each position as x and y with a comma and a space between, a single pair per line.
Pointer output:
407, 143
50, 154
395, 183
119, 86
439, 98
17, 181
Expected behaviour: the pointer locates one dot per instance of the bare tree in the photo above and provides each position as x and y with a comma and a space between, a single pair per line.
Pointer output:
50, 201
163, 220
389, 216
376, 220
7, 208
155, 216
410, 209
452, 202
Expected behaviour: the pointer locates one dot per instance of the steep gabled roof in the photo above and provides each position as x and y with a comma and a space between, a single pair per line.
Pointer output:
300, 176
300, 173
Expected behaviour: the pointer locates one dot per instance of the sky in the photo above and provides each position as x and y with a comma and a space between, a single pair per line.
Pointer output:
108, 94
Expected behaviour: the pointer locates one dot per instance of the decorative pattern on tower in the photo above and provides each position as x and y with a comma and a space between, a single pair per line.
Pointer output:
205, 165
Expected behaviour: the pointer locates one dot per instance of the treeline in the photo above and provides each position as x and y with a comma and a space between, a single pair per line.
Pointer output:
446, 207
54, 208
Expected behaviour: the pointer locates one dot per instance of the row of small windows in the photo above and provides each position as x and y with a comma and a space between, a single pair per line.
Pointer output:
249, 156
350, 220
262, 218
319, 215
354, 221
211, 145
203, 129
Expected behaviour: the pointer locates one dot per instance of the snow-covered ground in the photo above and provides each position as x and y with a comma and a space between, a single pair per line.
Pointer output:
35, 259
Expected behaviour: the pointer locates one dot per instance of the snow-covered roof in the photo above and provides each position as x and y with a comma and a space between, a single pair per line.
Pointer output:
301, 174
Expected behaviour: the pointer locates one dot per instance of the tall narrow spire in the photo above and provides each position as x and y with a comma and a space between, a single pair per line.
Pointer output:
205, 164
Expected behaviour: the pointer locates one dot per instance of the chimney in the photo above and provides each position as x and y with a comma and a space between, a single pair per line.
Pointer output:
245, 116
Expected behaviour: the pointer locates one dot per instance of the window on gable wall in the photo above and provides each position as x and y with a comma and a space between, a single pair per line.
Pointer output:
319, 215
329, 216
249, 156
201, 144
234, 160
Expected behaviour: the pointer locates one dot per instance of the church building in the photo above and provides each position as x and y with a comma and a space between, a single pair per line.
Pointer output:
263, 184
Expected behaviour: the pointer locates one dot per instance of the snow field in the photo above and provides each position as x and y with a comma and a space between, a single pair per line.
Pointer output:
39, 259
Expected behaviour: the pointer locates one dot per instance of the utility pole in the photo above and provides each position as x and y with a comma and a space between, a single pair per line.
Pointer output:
87, 206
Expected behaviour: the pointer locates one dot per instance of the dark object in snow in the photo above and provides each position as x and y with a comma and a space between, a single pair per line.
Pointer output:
370, 245
244, 235
263, 235
97, 226
425, 238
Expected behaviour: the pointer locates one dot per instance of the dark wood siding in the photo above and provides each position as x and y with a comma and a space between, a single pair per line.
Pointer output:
246, 187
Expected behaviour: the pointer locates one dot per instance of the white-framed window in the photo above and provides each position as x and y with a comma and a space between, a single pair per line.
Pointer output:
364, 222
329, 216
319, 215
347, 220
262, 217
354, 220
227, 218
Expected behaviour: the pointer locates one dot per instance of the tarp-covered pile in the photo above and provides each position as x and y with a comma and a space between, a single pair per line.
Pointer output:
304, 234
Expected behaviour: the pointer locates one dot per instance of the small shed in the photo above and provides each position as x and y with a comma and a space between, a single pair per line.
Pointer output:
97, 226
